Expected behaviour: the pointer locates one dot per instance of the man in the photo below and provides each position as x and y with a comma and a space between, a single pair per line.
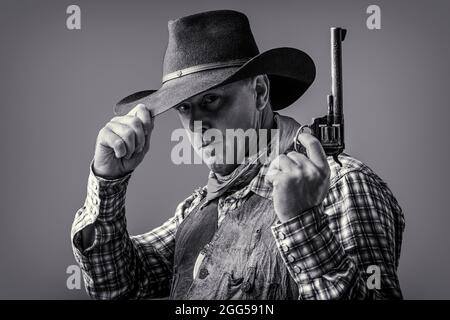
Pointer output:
292, 226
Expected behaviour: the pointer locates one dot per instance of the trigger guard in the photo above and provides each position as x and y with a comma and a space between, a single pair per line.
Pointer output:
297, 145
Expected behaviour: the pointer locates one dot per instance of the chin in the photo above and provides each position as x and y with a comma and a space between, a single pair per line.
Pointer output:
222, 169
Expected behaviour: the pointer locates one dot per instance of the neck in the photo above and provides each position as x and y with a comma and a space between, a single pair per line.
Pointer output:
267, 122
266, 119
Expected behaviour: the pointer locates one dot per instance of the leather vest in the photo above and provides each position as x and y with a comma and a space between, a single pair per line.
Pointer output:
241, 259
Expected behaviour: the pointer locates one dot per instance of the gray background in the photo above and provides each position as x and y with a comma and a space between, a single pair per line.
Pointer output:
58, 87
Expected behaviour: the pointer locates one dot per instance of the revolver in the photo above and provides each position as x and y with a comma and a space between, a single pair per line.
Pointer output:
329, 129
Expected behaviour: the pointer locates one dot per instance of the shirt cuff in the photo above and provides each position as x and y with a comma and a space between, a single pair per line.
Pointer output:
307, 245
103, 198
102, 187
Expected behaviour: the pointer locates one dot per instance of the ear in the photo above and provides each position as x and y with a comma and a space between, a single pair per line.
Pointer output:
261, 85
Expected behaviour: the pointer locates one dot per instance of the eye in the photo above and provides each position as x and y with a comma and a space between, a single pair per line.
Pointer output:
183, 108
209, 98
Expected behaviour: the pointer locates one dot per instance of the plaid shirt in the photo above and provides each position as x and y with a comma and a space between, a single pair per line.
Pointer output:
328, 250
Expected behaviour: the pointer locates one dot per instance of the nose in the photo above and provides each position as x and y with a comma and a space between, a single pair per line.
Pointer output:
197, 118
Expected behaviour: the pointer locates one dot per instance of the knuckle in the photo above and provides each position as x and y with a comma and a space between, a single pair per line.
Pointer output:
141, 114
288, 180
141, 107
297, 172
317, 174
134, 121
102, 132
320, 174
118, 143
310, 136
311, 142
144, 113
136, 124
117, 119
278, 179
134, 110
293, 155
128, 132
325, 171
109, 125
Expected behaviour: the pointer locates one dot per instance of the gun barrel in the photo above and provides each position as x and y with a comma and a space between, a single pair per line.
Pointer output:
337, 36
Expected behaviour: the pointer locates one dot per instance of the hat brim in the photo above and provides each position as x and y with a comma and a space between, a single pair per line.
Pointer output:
290, 71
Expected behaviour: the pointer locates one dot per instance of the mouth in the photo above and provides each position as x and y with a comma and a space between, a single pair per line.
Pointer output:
209, 142
208, 148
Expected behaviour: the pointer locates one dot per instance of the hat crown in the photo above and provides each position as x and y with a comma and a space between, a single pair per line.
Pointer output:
208, 37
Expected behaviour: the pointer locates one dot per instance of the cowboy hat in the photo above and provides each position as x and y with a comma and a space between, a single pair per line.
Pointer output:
214, 48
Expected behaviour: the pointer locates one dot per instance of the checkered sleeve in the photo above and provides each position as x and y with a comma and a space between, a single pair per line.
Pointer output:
117, 265
348, 247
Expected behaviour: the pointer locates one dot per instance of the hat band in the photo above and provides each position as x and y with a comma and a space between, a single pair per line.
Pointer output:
203, 67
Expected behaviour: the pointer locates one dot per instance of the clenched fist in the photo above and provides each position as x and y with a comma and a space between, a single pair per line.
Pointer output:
299, 182
122, 143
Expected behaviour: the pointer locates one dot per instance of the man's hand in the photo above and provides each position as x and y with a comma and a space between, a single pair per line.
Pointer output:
299, 182
122, 143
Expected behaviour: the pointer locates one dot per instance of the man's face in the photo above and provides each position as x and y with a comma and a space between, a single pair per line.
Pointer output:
232, 106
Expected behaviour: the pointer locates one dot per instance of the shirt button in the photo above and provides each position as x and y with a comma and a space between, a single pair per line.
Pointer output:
284, 247
246, 286
203, 273
297, 269
281, 235
291, 258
